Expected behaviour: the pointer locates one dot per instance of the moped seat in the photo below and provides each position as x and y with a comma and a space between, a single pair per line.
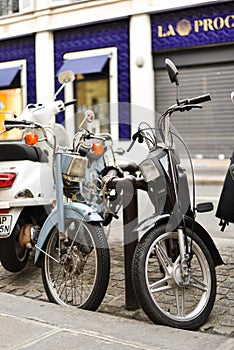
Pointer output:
17, 151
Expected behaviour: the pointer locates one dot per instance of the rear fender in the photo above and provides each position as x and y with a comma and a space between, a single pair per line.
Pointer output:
71, 210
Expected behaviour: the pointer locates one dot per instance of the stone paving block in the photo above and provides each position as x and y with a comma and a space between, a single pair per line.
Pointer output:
29, 284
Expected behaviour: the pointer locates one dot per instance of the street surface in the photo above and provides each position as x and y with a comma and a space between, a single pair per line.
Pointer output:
28, 282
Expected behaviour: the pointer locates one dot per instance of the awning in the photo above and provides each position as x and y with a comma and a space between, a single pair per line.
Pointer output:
85, 65
7, 75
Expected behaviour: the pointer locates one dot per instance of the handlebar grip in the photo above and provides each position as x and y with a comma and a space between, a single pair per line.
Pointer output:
72, 102
17, 122
83, 150
112, 173
199, 99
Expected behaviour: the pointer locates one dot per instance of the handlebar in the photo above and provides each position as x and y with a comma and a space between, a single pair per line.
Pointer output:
182, 105
17, 122
11, 124
72, 102
196, 100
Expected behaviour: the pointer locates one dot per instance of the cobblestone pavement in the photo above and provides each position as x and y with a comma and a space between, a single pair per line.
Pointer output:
28, 283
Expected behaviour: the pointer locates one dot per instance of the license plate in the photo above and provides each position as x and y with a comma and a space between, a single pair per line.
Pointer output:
5, 225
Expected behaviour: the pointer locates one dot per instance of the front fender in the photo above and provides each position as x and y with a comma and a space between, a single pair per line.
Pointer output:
156, 220
74, 210
150, 222
204, 235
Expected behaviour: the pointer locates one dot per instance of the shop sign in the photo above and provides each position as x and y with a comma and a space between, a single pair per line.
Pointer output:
185, 27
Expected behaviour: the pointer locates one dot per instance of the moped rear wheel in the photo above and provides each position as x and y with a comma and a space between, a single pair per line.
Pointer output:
76, 265
163, 295
13, 257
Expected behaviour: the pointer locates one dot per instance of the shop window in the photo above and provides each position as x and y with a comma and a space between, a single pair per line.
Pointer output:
11, 97
92, 91
95, 87
7, 7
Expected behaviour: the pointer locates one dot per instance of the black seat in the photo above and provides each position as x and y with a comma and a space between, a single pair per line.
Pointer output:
17, 151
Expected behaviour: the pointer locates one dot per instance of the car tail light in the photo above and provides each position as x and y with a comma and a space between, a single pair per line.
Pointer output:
4, 211
7, 179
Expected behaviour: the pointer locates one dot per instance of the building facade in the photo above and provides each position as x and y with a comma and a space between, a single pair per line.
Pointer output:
117, 49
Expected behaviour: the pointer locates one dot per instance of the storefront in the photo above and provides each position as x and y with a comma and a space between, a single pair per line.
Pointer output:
99, 56
17, 76
200, 42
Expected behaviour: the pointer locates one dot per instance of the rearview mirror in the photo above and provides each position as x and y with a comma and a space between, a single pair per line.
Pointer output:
232, 96
66, 77
172, 71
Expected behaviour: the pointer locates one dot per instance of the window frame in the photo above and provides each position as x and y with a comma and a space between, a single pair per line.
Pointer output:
23, 76
113, 88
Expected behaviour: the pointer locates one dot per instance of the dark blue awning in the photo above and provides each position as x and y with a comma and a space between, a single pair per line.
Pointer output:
7, 75
85, 65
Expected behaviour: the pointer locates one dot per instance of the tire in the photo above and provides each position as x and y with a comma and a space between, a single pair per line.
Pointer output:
80, 276
156, 276
13, 257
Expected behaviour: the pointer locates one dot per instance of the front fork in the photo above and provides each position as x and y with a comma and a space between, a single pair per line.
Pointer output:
184, 258
183, 244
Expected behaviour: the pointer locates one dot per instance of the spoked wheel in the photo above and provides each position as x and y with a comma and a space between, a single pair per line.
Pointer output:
76, 265
164, 296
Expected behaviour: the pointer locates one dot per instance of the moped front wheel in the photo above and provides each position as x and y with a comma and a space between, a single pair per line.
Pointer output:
76, 265
163, 294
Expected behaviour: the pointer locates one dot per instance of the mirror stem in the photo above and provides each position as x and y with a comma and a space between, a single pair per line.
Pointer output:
177, 94
60, 89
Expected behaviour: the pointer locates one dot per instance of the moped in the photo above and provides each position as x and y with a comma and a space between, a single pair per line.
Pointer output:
173, 268
71, 247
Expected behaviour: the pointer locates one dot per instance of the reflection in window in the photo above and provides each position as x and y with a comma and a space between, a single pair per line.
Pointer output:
7, 7
10, 105
92, 92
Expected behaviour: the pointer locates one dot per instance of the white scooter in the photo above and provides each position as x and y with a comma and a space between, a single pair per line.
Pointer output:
27, 188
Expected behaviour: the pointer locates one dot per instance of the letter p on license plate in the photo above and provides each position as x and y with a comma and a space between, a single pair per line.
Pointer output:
5, 225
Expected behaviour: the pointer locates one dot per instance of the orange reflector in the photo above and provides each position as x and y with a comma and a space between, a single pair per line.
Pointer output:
31, 138
97, 149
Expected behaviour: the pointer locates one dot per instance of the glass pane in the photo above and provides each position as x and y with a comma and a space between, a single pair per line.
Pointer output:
94, 94
10, 105
8, 7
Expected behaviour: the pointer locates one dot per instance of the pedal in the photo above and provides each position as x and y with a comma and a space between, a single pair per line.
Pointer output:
204, 207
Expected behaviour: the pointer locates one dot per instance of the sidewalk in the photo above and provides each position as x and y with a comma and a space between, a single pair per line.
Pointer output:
22, 298
32, 324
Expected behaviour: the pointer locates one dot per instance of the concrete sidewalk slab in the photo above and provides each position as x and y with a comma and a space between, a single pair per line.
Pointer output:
31, 324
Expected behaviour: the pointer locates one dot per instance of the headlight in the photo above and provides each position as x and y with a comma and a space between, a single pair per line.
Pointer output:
74, 167
149, 170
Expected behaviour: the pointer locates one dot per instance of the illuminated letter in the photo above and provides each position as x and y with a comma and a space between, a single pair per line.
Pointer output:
160, 31
218, 23
171, 30
197, 24
208, 24
228, 20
